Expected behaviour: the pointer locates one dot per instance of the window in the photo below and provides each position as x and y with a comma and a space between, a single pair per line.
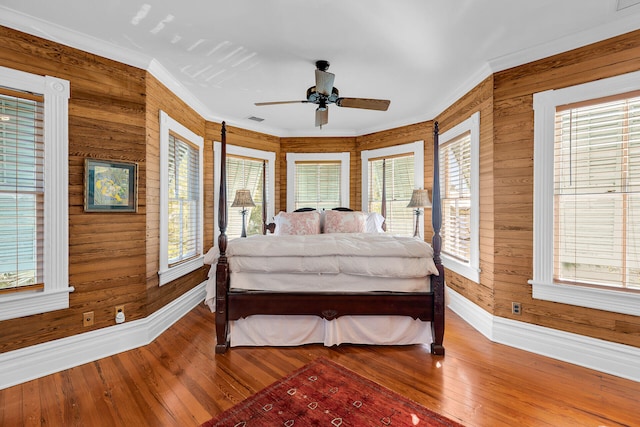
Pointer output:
180, 200
21, 191
404, 171
317, 180
34, 186
459, 189
587, 195
244, 170
244, 173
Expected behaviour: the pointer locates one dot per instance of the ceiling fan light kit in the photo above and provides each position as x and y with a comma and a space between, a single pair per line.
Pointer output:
324, 93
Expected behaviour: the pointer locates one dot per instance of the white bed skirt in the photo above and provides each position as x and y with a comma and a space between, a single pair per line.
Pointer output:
263, 330
267, 330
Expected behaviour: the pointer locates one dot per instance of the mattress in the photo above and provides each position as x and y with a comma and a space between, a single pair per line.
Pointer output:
359, 254
341, 282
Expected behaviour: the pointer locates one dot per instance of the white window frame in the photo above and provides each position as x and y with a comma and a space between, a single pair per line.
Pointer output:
416, 148
292, 158
471, 269
543, 285
167, 274
55, 295
235, 150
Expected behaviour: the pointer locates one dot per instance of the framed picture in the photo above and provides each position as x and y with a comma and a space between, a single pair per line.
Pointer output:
110, 186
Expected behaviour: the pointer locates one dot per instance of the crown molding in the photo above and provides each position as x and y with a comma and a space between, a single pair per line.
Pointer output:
583, 38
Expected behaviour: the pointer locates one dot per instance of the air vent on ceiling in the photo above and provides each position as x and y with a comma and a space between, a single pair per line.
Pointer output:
255, 119
623, 4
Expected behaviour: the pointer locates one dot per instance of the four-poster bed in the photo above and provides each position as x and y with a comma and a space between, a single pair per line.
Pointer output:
388, 302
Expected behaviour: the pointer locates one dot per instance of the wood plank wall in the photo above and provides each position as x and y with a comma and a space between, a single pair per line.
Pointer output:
513, 184
479, 99
113, 257
106, 250
160, 98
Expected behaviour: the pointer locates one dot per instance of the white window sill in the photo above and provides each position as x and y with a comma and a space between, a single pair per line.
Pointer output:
461, 268
22, 304
612, 300
180, 270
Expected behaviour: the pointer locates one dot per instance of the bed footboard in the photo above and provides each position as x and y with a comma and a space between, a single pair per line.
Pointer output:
331, 305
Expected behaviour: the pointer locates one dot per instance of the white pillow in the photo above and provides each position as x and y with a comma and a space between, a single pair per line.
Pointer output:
374, 223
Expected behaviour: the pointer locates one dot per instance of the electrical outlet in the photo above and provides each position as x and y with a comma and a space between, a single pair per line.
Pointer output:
516, 308
120, 318
87, 318
119, 308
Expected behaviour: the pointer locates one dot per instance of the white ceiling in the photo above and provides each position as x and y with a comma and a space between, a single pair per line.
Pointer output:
222, 56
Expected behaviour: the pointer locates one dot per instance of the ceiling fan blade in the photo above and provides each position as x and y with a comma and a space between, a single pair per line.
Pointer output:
322, 117
324, 82
367, 104
281, 102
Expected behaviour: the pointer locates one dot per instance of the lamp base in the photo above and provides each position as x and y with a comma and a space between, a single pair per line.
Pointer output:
244, 227
416, 233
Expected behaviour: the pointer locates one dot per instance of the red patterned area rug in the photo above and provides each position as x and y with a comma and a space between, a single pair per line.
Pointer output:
323, 393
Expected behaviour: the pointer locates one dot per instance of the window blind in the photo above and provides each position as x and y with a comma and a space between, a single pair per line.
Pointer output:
244, 173
399, 171
317, 185
183, 211
21, 191
455, 175
597, 193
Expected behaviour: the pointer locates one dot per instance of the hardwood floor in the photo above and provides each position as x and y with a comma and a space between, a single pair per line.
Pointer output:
178, 381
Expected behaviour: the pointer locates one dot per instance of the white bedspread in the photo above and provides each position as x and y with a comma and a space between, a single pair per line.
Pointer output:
361, 254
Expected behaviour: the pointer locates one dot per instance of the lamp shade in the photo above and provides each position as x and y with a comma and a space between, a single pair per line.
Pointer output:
243, 199
420, 199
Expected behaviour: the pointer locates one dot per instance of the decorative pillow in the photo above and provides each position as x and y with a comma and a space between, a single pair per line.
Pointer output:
344, 222
288, 223
374, 223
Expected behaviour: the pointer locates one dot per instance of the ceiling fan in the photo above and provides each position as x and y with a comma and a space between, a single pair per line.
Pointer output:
324, 93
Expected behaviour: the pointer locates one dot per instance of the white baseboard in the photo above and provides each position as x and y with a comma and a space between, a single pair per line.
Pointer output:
36, 361
604, 356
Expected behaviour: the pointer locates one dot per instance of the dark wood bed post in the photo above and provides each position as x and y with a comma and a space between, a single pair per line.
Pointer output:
437, 282
222, 270
264, 197
383, 208
271, 226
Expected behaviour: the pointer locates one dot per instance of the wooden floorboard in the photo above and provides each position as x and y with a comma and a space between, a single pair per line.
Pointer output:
178, 380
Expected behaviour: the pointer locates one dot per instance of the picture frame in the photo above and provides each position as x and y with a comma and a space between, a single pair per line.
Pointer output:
110, 186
